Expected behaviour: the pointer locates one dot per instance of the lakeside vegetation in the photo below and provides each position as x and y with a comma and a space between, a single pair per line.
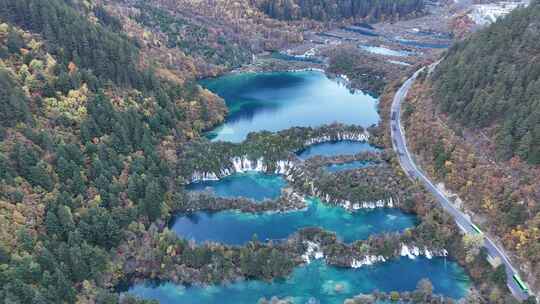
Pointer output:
356, 66
372, 10
206, 156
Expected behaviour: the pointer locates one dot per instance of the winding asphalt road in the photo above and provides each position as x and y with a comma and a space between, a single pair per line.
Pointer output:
407, 163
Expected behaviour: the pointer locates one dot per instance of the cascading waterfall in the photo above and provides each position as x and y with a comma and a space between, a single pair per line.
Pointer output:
412, 251
287, 168
242, 165
340, 136
352, 206
367, 260
315, 252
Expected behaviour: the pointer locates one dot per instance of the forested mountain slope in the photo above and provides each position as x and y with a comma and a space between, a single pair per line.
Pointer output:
88, 135
492, 80
474, 126
203, 37
324, 10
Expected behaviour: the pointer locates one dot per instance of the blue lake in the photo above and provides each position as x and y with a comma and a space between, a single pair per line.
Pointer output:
252, 185
281, 100
238, 228
321, 283
348, 166
273, 102
335, 148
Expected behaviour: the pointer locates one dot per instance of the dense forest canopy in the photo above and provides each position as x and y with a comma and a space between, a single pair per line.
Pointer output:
324, 10
81, 123
493, 79
193, 39
109, 54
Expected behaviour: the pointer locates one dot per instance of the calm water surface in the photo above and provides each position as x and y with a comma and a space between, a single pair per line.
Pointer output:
321, 283
336, 148
238, 228
253, 185
281, 100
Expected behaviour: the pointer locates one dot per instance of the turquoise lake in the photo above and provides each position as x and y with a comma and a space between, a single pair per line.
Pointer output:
335, 148
348, 166
320, 283
273, 102
281, 100
252, 185
236, 228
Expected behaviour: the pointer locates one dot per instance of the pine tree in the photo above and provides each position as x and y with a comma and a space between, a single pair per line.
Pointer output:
152, 202
6, 172
39, 176
65, 219
14, 41
481, 84
13, 103
52, 224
